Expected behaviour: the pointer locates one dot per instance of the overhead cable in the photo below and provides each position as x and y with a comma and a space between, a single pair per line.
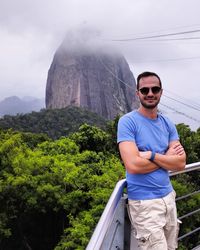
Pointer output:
185, 104
156, 36
193, 27
107, 68
194, 103
172, 39
181, 113
170, 59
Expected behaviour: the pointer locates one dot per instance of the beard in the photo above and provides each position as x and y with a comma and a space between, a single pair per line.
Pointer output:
149, 105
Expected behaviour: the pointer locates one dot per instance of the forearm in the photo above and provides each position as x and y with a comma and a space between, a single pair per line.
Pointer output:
174, 159
170, 162
140, 166
133, 161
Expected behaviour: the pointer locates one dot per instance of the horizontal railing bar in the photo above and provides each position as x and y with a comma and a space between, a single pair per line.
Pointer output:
188, 234
196, 248
189, 214
188, 168
187, 195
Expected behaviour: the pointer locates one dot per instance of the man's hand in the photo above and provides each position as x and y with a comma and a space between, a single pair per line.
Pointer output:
175, 149
174, 159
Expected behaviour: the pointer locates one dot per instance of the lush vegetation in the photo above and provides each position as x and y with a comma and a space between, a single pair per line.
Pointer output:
52, 192
52, 122
54, 188
188, 183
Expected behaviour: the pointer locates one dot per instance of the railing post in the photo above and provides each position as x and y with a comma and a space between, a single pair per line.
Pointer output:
114, 238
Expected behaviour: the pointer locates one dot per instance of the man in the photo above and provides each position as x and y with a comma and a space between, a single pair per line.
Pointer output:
149, 147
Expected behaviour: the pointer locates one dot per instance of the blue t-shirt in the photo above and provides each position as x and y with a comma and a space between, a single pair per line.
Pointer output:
148, 134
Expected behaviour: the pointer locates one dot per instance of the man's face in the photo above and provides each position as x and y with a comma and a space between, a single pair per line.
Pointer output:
149, 93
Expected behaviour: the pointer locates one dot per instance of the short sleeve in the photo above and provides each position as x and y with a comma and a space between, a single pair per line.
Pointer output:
126, 129
173, 134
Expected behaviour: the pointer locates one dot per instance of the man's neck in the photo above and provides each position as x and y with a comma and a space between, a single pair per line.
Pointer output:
150, 113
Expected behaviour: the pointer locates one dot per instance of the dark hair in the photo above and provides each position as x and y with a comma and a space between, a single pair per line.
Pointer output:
146, 74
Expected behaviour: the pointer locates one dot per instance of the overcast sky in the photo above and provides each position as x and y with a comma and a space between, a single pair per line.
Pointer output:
31, 31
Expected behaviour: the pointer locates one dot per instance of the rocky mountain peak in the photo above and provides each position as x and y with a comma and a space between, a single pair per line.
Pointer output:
91, 76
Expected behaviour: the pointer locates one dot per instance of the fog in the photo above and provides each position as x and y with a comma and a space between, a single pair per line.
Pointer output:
32, 31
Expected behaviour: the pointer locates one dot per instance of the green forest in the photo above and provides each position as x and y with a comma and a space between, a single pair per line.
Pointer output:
52, 122
54, 187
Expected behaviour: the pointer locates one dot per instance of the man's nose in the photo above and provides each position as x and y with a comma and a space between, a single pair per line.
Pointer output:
150, 93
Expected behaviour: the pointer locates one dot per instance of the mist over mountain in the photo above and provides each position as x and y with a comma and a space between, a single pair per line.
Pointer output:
89, 74
86, 73
14, 105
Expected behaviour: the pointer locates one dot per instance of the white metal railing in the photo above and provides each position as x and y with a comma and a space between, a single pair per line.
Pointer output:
108, 213
188, 168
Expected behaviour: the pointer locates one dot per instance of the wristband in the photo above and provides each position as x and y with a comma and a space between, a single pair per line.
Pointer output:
152, 155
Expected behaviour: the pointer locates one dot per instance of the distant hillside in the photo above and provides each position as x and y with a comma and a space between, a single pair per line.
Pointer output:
14, 105
55, 123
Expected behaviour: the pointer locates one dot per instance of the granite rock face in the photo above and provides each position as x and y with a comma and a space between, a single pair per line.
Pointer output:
97, 80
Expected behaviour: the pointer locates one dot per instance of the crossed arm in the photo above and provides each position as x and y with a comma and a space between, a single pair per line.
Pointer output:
137, 162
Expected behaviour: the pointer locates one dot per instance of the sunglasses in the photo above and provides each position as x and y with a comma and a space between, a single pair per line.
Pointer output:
154, 90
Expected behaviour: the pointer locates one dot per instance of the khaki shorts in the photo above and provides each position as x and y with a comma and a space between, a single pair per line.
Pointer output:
154, 222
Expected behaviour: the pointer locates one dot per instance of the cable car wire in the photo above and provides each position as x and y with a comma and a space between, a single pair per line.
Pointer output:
171, 108
156, 36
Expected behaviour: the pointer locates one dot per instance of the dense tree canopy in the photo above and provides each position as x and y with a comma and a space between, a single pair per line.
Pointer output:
51, 188
52, 122
52, 192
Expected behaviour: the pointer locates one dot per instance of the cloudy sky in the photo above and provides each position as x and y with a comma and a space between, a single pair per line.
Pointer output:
157, 35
